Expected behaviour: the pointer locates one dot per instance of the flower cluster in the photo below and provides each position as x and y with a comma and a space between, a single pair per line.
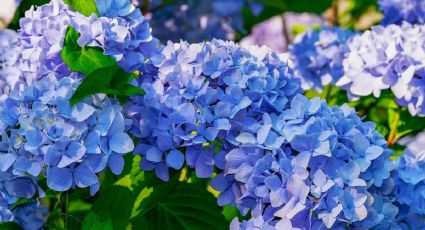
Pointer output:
398, 11
41, 39
410, 181
121, 32
42, 134
387, 57
317, 172
317, 56
202, 95
9, 73
197, 21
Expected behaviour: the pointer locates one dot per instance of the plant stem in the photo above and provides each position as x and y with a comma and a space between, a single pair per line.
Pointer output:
392, 139
285, 32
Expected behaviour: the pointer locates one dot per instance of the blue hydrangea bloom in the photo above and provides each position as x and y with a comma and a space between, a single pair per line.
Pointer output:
317, 56
389, 57
203, 94
44, 134
309, 166
197, 21
31, 215
10, 76
398, 11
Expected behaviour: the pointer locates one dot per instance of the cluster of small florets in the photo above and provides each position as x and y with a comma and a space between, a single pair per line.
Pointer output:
317, 56
389, 57
399, 11
197, 21
121, 31
317, 173
202, 95
42, 134
9, 73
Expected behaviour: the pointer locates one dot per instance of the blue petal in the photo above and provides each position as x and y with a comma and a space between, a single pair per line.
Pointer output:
121, 143
59, 179
175, 159
84, 176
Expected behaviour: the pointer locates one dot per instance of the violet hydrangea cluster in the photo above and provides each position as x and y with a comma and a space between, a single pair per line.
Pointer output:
43, 134
317, 56
9, 73
121, 31
399, 11
317, 176
389, 57
202, 95
197, 21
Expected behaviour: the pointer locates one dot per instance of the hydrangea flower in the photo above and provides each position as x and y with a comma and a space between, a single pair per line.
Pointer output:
398, 11
31, 215
121, 31
43, 134
197, 21
202, 95
9, 73
41, 39
309, 166
389, 57
317, 56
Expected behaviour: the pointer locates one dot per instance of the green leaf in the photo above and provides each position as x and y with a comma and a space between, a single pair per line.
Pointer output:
9, 226
179, 205
20, 11
111, 210
108, 80
84, 60
86, 7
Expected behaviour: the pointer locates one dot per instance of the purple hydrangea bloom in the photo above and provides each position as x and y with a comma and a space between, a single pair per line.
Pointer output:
122, 33
9, 73
41, 39
69, 144
389, 57
308, 166
202, 95
399, 11
317, 56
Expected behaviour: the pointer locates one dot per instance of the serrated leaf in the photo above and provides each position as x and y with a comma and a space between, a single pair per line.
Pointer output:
84, 60
184, 206
111, 209
86, 7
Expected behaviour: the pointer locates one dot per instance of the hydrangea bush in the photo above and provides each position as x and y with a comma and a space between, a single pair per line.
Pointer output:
103, 126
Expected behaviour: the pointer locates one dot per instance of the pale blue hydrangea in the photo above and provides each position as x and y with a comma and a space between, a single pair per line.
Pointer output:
309, 166
43, 134
317, 56
389, 57
10, 75
202, 95
399, 11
